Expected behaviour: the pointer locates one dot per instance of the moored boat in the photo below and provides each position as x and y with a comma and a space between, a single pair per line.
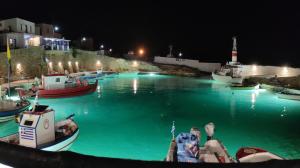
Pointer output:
9, 109
254, 154
37, 129
55, 86
186, 148
288, 95
230, 73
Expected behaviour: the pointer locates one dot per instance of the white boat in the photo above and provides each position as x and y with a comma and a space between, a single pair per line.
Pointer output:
230, 73
224, 78
288, 95
38, 130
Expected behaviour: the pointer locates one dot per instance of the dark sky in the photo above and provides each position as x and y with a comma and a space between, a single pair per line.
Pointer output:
268, 31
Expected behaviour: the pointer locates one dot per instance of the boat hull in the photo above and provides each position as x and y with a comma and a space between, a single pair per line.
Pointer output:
68, 92
63, 145
10, 114
288, 96
226, 79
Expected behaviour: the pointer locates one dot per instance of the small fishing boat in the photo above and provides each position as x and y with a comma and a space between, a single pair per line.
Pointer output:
288, 95
91, 75
55, 86
148, 73
186, 148
37, 129
243, 87
224, 77
9, 109
253, 154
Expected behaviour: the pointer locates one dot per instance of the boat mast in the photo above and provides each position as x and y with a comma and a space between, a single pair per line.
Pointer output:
234, 51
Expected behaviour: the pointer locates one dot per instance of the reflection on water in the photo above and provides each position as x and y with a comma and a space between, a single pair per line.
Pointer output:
135, 85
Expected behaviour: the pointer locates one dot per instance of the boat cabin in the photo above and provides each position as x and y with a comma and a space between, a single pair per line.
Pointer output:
37, 127
56, 81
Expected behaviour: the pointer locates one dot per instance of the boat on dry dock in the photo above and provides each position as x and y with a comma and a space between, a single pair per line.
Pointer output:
37, 129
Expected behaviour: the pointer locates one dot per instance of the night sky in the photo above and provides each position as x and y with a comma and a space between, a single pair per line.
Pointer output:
268, 31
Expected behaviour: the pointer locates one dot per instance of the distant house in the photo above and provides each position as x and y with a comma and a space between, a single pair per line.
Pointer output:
21, 33
50, 39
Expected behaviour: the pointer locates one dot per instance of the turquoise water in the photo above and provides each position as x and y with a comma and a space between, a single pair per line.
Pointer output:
130, 116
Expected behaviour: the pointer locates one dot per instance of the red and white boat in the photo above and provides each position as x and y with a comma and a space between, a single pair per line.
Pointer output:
254, 154
59, 85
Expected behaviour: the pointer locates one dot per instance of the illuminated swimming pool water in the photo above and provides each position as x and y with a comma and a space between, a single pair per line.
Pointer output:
131, 116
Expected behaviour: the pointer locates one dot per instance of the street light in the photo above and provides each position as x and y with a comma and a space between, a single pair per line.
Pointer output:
83, 39
56, 28
141, 51
180, 54
110, 50
101, 46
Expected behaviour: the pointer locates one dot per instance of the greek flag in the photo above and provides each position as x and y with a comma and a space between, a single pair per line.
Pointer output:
173, 129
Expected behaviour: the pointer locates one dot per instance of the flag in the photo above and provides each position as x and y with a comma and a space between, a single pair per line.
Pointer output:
8, 56
173, 129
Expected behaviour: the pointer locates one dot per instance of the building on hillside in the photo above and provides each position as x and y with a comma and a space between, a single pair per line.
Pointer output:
20, 33
51, 40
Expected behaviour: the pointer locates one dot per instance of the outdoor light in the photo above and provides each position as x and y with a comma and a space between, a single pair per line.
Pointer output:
98, 62
102, 46
141, 51
180, 54
76, 63
285, 69
135, 64
83, 39
254, 67
70, 63
18, 66
56, 28
50, 63
59, 64
110, 50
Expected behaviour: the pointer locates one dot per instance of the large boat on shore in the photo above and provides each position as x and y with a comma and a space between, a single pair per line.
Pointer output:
231, 72
37, 129
186, 148
59, 85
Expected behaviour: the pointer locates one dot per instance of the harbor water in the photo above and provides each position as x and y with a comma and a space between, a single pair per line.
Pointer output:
130, 116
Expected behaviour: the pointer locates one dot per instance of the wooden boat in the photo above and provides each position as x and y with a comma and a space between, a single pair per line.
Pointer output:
253, 154
226, 78
185, 148
9, 109
244, 87
288, 95
55, 86
38, 130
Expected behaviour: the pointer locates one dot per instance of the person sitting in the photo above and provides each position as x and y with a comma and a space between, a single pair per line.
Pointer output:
33, 88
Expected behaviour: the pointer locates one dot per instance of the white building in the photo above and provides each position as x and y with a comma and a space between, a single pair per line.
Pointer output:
20, 33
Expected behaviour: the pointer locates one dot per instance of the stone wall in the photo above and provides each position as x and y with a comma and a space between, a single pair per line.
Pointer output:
30, 63
202, 66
